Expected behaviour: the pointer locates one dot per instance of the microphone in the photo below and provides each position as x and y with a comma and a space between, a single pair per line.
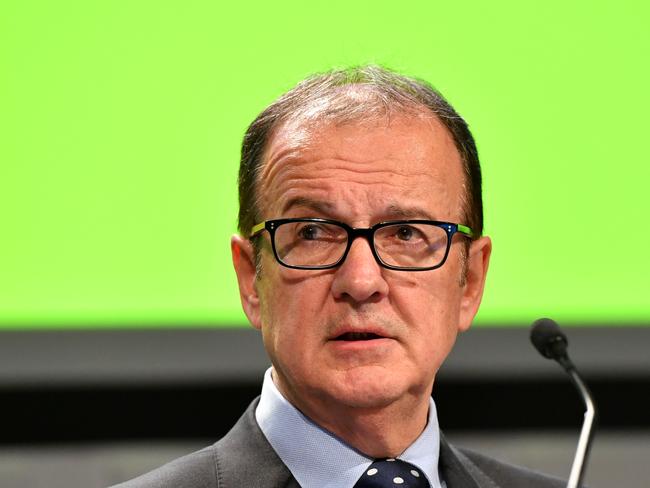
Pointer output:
550, 341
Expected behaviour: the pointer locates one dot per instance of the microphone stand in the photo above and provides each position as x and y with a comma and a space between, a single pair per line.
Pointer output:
586, 434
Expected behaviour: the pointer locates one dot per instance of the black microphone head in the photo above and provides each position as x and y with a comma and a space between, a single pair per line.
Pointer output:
548, 339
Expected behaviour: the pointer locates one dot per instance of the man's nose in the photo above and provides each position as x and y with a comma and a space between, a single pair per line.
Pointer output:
359, 278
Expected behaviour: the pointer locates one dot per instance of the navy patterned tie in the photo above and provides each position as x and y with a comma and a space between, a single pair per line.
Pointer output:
392, 473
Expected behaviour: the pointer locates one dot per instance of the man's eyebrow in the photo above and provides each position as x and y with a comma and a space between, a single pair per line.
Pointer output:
306, 202
395, 211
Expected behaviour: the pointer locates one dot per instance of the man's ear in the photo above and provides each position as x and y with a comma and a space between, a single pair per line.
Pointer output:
243, 259
478, 259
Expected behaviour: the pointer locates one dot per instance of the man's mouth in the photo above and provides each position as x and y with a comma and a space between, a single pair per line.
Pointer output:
358, 336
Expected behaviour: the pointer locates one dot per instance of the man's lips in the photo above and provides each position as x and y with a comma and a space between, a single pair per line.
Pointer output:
353, 334
361, 341
358, 336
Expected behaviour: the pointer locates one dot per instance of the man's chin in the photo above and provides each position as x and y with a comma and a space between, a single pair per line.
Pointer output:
365, 390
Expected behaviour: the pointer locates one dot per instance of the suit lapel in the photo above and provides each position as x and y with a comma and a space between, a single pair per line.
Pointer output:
459, 471
245, 458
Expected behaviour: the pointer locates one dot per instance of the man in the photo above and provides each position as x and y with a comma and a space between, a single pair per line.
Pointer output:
360, 258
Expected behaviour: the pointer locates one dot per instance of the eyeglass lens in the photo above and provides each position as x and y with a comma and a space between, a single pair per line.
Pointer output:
323, 244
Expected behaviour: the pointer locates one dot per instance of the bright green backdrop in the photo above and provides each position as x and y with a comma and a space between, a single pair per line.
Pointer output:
120, 124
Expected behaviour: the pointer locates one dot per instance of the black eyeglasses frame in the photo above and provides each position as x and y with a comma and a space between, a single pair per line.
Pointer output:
367, 233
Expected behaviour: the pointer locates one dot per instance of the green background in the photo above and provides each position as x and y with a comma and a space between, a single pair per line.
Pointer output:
120, 125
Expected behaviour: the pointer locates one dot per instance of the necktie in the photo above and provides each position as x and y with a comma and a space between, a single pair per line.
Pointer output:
392, 473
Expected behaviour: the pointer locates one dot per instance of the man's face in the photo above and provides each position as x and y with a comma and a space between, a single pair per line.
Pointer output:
360, 174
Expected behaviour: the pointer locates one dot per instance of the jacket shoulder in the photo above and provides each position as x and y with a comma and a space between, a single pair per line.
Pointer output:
510, 476
243, 458
196, 470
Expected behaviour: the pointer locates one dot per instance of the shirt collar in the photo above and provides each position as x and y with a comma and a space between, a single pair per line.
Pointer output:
317, 458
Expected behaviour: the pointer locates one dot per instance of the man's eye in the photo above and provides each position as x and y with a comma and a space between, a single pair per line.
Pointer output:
309, 232
405, 233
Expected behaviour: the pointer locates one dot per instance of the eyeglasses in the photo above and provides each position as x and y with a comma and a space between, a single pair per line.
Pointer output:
406, 245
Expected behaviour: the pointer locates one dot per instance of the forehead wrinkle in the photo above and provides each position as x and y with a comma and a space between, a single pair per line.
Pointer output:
298, 185
314, 182
301, 138
298, 169
300, 135
296, 139
370, 167
291, 163
285, 157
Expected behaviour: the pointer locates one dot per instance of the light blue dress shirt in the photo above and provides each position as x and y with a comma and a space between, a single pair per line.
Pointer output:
319, 459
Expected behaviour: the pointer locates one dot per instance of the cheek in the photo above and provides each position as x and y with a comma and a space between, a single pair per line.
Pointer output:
292, 308
429, 296
432, 307
293, 303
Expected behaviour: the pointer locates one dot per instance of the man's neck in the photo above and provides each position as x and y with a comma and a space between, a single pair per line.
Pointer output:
383, 433
380, 432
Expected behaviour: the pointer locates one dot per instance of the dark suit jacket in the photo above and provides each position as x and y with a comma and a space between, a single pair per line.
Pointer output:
245, 459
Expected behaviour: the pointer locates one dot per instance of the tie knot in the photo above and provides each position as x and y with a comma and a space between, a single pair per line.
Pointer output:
392, 473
